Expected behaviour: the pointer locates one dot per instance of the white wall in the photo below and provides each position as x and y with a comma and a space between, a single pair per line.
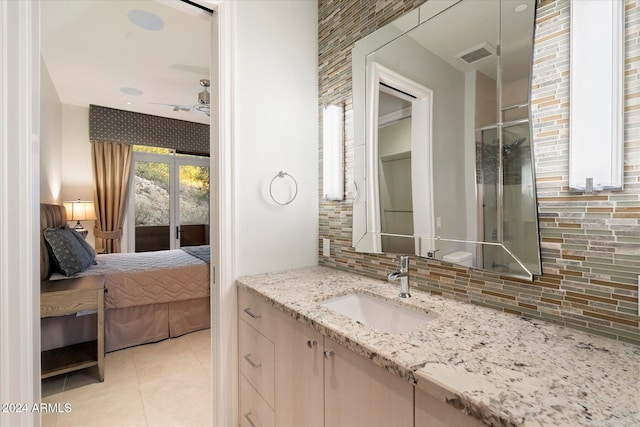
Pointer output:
50, 139
395, 138
276, 128
77, 176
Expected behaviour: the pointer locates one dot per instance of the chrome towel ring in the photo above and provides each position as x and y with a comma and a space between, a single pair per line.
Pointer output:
282, 174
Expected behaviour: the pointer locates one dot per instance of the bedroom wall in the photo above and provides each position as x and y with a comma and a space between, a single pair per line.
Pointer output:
276, 99
77, 177
590, 243
50, 139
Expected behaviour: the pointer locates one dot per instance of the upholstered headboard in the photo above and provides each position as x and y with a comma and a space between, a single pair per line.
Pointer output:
50, 216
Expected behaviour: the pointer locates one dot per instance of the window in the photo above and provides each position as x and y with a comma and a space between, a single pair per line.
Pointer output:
169, 199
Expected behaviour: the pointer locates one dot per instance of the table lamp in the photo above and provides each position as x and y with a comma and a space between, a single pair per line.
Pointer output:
80, 210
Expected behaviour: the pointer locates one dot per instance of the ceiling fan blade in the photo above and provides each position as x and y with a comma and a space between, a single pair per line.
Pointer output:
176, 107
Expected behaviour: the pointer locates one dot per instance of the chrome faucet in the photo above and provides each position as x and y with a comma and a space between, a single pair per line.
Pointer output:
403, 275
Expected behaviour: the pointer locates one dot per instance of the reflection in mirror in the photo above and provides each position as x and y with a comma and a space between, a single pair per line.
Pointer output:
394, 170
518, 230
516, 46
500, 258
463, 182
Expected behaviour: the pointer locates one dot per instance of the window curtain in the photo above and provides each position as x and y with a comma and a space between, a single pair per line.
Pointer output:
111, 165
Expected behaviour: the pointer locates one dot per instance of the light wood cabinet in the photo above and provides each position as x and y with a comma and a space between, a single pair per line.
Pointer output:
292, 376
359, 393
299, 374
256, 361
281, 368
431, 412
256, 313
254, 411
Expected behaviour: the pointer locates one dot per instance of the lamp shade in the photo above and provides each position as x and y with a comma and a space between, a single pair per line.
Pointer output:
80, 210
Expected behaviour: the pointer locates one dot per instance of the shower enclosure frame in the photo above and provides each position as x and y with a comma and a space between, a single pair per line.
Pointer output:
482, 235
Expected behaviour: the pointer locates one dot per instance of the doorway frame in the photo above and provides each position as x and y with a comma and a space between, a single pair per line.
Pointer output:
20, 219
19, 210
421, 98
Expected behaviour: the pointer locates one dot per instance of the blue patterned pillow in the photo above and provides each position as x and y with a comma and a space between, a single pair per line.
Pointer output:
69, 254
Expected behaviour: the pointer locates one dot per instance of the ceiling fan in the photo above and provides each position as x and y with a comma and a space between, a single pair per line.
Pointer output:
203, 104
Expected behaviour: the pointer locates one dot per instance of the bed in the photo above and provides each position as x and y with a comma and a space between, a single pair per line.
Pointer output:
150, 296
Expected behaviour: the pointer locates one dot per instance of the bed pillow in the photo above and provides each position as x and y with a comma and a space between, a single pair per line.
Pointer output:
68, 253
87, 247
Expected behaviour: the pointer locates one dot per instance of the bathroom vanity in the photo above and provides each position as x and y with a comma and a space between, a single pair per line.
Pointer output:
302, 363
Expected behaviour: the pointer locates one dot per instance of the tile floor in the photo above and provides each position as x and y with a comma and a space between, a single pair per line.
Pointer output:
163, 384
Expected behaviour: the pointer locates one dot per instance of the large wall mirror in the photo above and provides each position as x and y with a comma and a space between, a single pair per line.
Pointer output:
443, 160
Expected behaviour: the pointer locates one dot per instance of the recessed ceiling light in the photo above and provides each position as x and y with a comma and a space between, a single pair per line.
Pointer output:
131, 91
129, 102
521, 7
146, 20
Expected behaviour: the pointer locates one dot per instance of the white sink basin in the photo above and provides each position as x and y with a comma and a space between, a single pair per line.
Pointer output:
378, 313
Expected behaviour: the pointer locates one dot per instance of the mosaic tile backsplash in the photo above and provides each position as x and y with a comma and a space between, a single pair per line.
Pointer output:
590, 243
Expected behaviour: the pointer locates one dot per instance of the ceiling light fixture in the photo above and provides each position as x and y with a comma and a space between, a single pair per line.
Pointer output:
521, 7
131, 91
146, 20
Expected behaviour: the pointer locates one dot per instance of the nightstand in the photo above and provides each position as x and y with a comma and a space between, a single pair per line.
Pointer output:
69, 296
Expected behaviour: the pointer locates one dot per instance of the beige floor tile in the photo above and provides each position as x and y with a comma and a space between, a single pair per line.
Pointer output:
179, 399
199, 339
115, 406
119, 369
48, 419
162, 384
163, 358
205, 362
200, 343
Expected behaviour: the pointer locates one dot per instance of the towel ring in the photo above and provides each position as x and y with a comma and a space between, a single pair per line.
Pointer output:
282, 174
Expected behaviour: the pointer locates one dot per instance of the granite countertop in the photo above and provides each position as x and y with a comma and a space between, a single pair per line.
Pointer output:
501, 368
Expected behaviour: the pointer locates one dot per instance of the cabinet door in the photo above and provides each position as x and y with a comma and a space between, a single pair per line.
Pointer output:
431, 412
254, 411
256, 360
359, 393
299, 374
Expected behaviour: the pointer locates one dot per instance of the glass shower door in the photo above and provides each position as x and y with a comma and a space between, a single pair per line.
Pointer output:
519, 219
507, 191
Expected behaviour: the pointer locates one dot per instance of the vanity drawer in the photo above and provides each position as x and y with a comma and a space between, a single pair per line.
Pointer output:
256, 360
254, 411
256, 312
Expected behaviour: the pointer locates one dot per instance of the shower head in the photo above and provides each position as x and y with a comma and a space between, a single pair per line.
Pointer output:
518, 141
508, 149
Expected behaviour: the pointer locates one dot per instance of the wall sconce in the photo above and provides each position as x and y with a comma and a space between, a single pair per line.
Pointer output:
80, 210
332, 152
596, 140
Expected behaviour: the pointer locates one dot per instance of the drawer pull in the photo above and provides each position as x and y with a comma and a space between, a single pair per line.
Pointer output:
253, 364
248, 418
312, 343
328, 354
248, 311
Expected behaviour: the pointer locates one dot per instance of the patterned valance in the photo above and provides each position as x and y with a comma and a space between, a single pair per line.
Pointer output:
126, 127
